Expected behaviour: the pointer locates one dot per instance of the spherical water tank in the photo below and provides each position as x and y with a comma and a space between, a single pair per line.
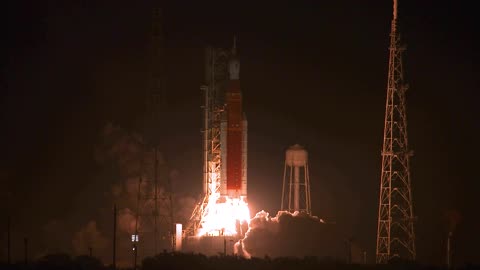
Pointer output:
296, 156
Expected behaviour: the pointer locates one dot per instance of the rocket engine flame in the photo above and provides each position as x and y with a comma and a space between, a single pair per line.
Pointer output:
223, 215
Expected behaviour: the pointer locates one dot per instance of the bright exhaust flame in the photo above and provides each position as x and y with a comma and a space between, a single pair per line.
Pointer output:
223, 215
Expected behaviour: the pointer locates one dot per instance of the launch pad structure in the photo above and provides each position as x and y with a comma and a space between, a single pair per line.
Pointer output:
220, 216
222, 212
216, 75
212, 224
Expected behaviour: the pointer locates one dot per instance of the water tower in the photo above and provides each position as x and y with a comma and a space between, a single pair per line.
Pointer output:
296, 181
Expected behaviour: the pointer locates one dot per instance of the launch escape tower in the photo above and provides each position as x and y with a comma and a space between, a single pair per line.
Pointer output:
395, 231
296, 181
154, 220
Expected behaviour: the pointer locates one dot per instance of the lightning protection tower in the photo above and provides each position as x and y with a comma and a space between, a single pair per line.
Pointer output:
296, 181
395, 231
154, 223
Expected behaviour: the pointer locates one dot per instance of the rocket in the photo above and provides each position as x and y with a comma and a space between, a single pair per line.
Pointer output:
233, 135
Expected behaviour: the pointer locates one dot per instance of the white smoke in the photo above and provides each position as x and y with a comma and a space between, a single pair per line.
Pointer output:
288, 234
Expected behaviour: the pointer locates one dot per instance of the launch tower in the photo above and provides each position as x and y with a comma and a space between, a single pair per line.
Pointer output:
395, 231
223, 205
216, 75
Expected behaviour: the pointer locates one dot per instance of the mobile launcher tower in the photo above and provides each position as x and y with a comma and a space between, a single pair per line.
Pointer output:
223, 212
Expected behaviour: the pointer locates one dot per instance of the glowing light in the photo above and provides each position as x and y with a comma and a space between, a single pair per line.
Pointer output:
223, 214
134, 237
178, 236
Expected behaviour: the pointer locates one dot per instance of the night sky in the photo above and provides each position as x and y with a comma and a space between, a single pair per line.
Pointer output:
312, 72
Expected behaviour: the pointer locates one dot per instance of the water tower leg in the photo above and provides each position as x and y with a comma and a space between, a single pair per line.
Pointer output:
296, 186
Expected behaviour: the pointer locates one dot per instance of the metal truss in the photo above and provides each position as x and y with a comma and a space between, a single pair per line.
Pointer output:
395, 231
216, 75
154, 216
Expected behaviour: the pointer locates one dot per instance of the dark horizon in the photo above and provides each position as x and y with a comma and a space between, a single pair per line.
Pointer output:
311, 73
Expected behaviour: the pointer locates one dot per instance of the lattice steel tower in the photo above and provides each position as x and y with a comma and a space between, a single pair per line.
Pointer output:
155, 221
216, 75
395, 232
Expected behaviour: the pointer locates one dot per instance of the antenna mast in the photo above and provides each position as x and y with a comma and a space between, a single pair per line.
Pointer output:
395, 231
155, 208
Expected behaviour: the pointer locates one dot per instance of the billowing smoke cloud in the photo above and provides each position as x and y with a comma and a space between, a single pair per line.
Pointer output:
287, 234
135, 161
123, 158
126, 221
124, 151
89, 237
130, 165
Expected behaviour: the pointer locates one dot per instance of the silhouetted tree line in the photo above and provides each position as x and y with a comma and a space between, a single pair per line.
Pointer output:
166, 261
